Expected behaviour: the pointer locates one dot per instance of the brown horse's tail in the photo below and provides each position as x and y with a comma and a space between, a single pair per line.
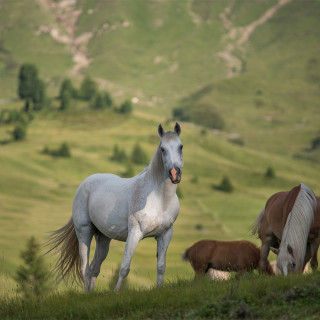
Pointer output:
257, 224
66, 242
185, 256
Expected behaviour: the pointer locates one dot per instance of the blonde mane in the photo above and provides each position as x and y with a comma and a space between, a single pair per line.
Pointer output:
297, 227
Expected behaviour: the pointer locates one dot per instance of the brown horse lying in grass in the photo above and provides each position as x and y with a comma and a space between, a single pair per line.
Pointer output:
238, 256
289, 225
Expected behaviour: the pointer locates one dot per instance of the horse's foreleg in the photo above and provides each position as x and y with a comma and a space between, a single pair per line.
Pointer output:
134, 236
102, 249
162, 246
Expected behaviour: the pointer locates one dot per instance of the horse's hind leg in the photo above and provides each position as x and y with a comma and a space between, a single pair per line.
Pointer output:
264, 252
102, 249
314, 253
85, 231
85, 236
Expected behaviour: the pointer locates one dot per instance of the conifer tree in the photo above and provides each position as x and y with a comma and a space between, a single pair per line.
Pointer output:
33, 276
31, 87
67, 85
65, 100
108, 99
99, 102
39, 95
126, 107
88, 89
28, 74
138, 155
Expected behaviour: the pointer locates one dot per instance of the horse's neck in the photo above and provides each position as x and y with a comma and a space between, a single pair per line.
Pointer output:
157, 174
156, 168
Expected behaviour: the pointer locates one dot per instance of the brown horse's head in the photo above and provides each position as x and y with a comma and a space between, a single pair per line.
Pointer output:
286, 261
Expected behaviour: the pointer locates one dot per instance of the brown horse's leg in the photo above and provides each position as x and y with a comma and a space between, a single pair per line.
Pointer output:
199, 269
264, 252
314, 253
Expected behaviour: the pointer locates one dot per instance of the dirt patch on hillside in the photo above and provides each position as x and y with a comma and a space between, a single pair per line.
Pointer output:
238, 36
66, 15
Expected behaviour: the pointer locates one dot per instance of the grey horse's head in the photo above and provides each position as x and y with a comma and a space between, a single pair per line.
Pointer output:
171, 152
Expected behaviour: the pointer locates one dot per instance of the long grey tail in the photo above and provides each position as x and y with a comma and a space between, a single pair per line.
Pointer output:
65, 241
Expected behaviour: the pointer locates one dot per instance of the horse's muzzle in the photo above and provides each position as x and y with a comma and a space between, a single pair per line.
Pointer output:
175, 175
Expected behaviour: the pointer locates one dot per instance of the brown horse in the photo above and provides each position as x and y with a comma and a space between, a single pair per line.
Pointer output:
239, 256
289, 225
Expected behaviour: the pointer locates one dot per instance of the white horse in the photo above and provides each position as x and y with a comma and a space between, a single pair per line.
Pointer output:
109, 207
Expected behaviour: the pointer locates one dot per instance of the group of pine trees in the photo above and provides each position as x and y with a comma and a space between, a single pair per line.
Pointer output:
88, 91
33, 91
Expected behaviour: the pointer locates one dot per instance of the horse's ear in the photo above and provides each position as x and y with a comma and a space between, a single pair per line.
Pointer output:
274, 250
290, 250
177, 128
160, 130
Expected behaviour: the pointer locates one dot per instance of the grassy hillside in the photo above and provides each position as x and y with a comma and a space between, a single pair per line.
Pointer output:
294, 297
276, 97
36, 190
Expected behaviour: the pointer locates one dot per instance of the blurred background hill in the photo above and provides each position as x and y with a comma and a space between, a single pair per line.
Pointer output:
241, 77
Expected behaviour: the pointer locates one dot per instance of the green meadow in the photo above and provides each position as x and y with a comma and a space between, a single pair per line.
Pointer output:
37, 189
167, 54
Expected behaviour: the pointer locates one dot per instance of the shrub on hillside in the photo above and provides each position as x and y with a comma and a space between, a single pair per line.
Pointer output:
129, 170
33, 275
180, 114
205, 114
138, 155
270, 173
19, 132
126, 107
98, 102
239, 141
12, 116
225, 185
315, 143
118, 154
63, 151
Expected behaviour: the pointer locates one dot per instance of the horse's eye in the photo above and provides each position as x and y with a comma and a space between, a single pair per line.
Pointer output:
162, 150
181, 147
293, 265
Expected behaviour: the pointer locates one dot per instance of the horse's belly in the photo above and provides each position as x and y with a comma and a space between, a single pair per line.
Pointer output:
109, 215
114, 232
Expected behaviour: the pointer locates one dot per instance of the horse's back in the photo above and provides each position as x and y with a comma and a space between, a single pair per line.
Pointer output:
277, 210
236, 255
280, 205
224, 255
